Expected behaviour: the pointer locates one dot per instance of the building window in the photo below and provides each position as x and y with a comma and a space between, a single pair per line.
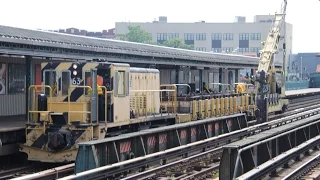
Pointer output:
173, 35
3, 70
188, 36
244, 36
255, 49
16, 78
65, 82
228, 49
255, 36
216, 36
162, 36
200, 49
201, 36
243, 49
216, 50
228, 36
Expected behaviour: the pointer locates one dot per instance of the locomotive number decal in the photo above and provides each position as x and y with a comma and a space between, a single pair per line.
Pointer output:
75, 81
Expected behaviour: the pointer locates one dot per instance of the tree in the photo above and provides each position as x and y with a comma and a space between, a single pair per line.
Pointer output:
177, 43
136, 34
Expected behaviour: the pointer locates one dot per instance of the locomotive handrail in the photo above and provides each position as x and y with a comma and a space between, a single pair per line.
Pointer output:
221, 84
50, 99
69, 104
106, 102
189, 87
174, 95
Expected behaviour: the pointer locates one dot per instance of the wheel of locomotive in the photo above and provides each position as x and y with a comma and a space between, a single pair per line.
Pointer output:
284, 108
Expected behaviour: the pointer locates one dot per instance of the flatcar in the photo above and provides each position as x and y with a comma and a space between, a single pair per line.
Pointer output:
84, 101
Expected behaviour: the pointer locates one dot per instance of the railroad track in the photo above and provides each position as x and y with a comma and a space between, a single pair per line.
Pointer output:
303, 103
201, 165
10, 173
49, 174
306, 167
313, 174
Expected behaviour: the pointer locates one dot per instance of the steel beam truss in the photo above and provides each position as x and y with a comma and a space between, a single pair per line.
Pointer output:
258, 155
112, 150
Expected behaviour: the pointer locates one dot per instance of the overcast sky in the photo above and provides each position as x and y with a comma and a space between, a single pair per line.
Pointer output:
95, 15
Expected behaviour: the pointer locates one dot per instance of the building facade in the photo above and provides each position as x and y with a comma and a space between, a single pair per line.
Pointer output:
239, 37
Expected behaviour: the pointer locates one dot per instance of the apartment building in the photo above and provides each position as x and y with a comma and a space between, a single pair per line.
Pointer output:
238, 37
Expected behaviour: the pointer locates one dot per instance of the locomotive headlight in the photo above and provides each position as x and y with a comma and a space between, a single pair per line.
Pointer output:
75, 66
75, 72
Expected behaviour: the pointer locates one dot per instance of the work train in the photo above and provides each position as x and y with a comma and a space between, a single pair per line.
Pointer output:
79, 102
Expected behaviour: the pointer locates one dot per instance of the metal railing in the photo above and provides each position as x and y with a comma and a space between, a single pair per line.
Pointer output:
149, 102
69, 102
34, 89
106, 93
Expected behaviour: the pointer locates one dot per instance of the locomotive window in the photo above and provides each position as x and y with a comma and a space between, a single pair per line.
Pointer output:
121, 83
50, 79
87, 75
65, 82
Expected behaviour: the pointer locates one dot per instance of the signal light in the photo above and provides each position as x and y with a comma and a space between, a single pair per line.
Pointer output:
75, 72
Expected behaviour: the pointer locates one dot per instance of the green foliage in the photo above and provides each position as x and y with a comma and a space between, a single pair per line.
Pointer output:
177, 43
137, 34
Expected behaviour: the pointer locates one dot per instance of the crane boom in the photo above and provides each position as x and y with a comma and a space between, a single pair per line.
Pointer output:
272, 41
265, 76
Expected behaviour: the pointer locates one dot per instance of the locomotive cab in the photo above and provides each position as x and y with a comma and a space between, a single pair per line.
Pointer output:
73, 87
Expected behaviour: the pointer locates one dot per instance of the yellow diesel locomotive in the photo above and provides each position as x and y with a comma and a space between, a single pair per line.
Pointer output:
84, 101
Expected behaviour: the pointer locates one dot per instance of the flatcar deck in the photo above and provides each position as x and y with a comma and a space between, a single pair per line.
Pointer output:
302, 92
12, 123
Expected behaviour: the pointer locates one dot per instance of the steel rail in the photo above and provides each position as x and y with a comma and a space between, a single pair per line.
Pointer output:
46, 173
297, 172
202, 173
146, 174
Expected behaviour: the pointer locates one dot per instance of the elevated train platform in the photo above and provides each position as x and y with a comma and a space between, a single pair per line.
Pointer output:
302, 92
12, 123
12, 131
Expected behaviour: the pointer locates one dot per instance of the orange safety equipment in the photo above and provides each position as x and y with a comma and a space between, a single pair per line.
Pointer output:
240, 88
99, 83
